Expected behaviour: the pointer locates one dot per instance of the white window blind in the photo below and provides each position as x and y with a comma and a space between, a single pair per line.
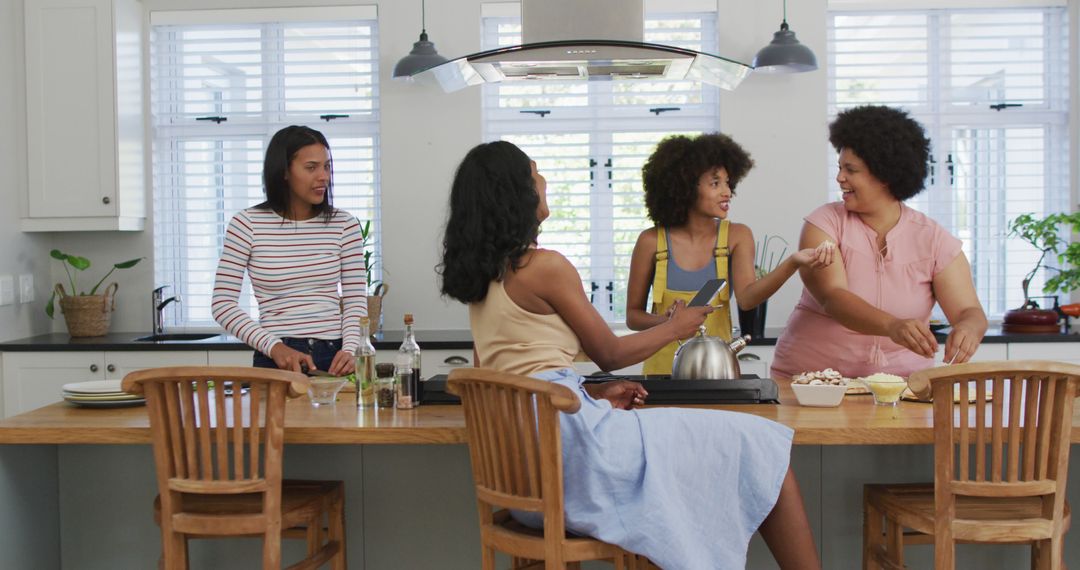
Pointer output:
590, 139
991, 88
219, 92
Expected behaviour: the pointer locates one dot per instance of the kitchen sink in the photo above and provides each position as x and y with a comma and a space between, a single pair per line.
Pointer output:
176, 337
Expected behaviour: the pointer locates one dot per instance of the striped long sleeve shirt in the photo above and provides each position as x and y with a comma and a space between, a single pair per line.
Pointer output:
295, 268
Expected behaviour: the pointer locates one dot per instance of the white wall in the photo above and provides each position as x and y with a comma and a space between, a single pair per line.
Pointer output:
19, 253
780, 119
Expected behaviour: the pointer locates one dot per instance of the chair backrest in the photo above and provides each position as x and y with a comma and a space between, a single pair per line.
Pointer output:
1001, 429
514, 441
209, 442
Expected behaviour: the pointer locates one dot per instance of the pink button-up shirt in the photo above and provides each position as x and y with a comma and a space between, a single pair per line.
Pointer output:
899, 283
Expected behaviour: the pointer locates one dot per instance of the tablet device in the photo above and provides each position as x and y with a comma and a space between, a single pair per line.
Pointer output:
707, 292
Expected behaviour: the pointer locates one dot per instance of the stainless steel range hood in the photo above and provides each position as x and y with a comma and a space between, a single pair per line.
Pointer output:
554, 50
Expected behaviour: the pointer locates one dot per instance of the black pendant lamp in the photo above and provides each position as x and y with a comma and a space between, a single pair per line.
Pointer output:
784, 54
423, 54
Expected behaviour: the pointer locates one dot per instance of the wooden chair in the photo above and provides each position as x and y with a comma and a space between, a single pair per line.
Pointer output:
218, 461
1000, 466
516, 452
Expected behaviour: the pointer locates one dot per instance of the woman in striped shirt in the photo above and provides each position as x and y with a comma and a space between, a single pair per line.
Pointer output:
304, 259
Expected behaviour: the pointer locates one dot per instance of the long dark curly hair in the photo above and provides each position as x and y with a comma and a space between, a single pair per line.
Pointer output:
492, 220
892, 144
279, 155
671, 174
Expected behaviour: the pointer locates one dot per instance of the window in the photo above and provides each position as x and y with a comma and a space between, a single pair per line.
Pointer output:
223, 82
590, 139
991, 88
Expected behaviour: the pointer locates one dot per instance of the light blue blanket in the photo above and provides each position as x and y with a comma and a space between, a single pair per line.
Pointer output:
685, 487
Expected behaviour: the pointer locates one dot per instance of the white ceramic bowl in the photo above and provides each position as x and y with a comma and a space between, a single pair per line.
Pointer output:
819, 395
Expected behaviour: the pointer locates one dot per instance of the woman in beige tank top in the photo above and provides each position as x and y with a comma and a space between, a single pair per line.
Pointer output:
629, 473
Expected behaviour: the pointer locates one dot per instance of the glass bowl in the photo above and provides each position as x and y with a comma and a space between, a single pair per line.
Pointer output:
323, 391
886, 388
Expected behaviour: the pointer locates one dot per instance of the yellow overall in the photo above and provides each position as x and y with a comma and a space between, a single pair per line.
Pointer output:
718, 323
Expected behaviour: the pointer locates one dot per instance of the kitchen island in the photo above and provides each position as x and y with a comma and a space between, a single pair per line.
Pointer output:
77, 484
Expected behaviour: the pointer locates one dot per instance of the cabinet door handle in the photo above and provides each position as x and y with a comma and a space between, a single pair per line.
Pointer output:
93, 368
456, 360
111, 368
105, 200
747, 356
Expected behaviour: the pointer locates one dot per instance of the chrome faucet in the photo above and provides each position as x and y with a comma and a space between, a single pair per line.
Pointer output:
158, 304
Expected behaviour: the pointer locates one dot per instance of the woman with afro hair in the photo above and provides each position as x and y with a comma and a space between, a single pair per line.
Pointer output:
689, 184
870, 313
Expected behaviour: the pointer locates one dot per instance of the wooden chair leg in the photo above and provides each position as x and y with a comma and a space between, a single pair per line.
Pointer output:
336, 526
311, 536
487, 558
173, 549
272, 549
871, 533
894, 543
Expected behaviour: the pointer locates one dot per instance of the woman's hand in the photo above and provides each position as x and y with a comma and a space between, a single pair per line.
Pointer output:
961, 344
687, 320
814, 257
914, 336
344, 363
290, 359
623, 394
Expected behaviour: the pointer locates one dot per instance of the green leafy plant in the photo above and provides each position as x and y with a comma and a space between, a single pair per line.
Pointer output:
1044, 234
366, 238
765, 257
80, 264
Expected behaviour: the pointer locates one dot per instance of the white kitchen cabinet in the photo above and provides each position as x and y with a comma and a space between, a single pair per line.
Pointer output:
439, 361
35, 379
229, 357
756, 360
1061, 351
85, 140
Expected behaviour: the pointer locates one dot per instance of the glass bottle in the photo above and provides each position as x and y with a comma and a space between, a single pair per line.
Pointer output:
365, 368
407, 386
410, 353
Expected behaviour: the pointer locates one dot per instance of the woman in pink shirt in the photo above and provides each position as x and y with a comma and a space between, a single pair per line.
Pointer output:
871, 312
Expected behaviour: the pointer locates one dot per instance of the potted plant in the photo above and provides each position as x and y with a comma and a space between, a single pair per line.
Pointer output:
752, 322
376, 289
86, 313
1044, 234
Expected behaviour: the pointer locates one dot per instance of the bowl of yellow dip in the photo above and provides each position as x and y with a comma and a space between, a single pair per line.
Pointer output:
886, 388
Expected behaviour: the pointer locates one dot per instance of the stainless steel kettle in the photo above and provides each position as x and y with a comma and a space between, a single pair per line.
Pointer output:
708, 358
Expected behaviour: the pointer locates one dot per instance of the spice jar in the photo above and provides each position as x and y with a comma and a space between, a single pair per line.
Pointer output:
385, 391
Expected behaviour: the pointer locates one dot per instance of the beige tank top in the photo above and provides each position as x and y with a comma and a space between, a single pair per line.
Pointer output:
511, 339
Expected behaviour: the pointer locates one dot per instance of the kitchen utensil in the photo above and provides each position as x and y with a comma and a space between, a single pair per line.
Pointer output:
708, 358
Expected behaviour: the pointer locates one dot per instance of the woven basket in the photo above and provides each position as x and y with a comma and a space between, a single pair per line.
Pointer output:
87, 315
374, 307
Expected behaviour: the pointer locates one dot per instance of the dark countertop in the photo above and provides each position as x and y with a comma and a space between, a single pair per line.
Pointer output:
429, 339
432, 340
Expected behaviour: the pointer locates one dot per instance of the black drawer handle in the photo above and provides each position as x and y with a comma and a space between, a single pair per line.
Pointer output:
456, 360
747, 356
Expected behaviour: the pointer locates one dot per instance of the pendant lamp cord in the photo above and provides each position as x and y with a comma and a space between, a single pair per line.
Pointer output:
423, 15
783, 24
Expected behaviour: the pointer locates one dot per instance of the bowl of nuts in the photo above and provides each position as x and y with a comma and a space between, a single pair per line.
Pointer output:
822, 389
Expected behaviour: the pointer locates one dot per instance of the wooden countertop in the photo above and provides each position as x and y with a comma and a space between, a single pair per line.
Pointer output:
857, 421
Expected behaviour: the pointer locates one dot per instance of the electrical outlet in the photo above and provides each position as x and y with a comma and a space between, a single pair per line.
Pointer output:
7, 290
26, 288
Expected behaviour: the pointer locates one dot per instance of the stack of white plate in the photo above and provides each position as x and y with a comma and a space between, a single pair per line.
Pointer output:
100, 394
